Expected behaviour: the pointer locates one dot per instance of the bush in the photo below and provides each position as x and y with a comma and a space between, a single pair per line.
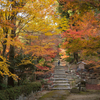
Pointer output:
44, 81
13, 93
70, 59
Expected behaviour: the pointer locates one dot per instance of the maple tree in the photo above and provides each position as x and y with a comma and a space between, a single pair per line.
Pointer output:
22, 22
82, 37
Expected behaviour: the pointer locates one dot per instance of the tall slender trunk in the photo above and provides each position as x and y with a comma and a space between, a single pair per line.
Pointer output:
76, 56
11, 58
1, 81
12, 48
5, 31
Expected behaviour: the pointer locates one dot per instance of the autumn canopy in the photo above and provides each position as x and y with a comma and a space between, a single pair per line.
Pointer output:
32, 30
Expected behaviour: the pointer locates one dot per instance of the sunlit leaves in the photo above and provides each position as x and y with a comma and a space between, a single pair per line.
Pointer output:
4, 65
29, 26
83, 33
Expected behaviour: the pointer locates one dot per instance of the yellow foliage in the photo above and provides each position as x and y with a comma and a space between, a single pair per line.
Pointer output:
4, 68
25, 62
32, 18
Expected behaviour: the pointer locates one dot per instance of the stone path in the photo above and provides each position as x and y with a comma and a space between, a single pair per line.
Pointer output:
63, 95
55, 95
60, 80
66, 95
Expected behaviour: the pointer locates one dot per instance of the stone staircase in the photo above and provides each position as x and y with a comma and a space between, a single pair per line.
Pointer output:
60, 81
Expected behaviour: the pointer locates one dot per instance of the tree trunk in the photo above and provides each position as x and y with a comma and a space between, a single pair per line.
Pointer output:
12, 48
10, 79
76, 56
11, 58
5, 31
1, 81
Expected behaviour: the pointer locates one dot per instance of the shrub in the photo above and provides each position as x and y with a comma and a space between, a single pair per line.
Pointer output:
44, 81
13, 93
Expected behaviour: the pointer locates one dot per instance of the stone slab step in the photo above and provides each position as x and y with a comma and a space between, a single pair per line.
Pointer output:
70, 79
61, 81
59, 71
58, 82
66, 84
59, 76
59, 66
61, 88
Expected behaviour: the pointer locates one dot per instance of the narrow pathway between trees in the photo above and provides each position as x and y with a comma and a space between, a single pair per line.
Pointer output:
65, 94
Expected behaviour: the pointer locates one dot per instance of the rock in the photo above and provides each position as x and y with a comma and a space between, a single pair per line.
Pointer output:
83, 89
46, 87
74, 90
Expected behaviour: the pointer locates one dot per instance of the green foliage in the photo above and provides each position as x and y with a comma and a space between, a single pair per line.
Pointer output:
59, 45
3, 85
19, 59
44, 81
13, 93
70, 59
24, 63
52, 60
45, 64
41, 60
63, 13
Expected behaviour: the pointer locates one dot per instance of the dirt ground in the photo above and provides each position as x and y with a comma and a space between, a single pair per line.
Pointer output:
83, 97
66, 95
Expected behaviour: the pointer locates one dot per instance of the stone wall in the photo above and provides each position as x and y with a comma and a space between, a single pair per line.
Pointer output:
93, 86
93, 81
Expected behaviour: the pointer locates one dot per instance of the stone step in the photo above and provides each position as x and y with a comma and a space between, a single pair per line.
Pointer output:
60, 76
61, 88
57, 82
58, 79
61, 81
66, 84
59, 72
68, 77
70, 80
61, 69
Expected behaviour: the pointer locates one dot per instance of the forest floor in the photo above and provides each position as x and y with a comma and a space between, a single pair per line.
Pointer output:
66, 95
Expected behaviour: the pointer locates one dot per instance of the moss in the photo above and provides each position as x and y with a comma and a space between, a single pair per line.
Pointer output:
48, 95
67, 93
61, 96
